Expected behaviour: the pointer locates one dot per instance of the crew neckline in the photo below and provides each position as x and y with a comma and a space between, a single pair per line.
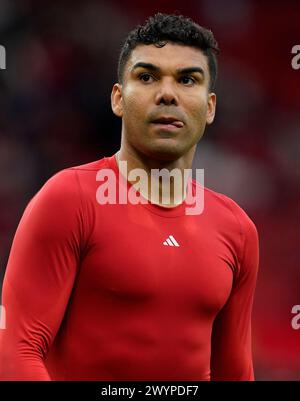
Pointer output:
175, 211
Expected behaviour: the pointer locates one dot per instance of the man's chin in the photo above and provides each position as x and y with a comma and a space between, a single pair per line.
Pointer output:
165, 151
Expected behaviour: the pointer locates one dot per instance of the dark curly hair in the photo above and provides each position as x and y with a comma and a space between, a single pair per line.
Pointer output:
161, 28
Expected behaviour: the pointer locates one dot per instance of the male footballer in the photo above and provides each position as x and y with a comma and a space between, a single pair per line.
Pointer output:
101, 286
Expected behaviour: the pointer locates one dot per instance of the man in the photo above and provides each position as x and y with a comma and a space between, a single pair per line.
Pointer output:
99, 289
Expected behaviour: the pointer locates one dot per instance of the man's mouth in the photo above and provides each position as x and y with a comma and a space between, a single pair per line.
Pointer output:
168, 122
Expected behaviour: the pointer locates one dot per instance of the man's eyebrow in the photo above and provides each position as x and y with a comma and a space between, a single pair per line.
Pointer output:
147, 66
190, 70
154, 68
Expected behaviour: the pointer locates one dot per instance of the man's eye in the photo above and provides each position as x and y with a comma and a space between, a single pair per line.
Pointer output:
146, 78
187, 80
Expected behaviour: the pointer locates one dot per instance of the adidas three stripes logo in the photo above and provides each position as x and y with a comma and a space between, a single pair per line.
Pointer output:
171, 241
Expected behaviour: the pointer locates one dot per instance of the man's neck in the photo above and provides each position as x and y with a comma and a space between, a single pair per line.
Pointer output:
165, 182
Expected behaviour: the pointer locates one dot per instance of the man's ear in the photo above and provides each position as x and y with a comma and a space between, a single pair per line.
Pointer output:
211, 107
116, 100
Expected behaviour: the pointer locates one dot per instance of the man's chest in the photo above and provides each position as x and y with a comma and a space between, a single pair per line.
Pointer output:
147, 258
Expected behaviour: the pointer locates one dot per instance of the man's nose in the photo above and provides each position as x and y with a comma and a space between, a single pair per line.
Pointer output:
166, 94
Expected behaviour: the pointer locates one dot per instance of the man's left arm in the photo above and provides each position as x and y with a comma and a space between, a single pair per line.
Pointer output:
231, 349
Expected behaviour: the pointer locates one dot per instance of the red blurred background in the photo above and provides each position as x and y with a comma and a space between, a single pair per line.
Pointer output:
55, 112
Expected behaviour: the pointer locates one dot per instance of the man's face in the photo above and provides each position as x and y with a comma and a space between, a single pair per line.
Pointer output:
164, 100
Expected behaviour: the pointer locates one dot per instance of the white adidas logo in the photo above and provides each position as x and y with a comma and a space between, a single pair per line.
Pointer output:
171, 241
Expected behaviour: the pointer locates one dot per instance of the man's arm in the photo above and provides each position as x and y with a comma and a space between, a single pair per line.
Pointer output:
39, 277
231, 352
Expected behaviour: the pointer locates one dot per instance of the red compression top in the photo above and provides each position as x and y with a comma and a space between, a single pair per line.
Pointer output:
127, 292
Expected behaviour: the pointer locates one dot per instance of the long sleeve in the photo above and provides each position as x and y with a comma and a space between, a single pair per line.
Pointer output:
231, 352
39, 277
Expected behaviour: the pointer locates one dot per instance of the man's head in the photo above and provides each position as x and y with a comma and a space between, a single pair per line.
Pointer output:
167, 71
163, 28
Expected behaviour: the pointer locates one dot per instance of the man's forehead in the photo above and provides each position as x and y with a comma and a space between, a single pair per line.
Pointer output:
171, 55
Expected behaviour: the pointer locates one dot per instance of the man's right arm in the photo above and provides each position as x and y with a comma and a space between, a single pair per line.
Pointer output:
39, 277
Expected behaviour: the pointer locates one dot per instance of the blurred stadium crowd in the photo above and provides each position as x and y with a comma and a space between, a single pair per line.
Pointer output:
55, 112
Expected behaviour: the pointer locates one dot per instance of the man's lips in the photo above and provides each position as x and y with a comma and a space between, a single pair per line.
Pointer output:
168, 121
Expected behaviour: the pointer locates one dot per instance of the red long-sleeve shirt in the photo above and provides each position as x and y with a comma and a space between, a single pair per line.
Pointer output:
91, 292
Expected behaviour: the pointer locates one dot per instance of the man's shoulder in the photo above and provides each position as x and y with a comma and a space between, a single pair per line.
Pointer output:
91, 166
68, 177
65, 185
226, 206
